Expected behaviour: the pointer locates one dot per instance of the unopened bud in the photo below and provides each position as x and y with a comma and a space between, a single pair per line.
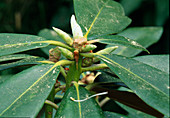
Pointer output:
87, 48
104, 51
87, 62
64, 36
54, 54
107, 50
67, 53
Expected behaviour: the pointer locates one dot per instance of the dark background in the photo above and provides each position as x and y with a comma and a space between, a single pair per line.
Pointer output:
30, 16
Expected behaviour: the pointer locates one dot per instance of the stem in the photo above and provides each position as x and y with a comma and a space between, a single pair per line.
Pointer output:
52, 104
63, 72
59, 88
104, 101
94, 67
74, 72
48, 108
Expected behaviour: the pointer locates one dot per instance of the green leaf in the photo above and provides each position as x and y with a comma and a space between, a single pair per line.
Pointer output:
23, 95
132, 100
160, 62
113, 115
149, 83
27, 61
72, 109
132, 113
145, 36
98, 17
120, 40
15, 57
13, 43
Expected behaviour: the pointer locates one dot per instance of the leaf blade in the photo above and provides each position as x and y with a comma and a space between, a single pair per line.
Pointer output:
104, 17
23, 100
146, 36
69, 108
148, 91
13, 43
120, 40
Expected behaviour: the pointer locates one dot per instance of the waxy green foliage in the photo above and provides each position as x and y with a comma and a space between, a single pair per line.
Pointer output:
145, 79
149, 83
23, 94
99, 17
72, 109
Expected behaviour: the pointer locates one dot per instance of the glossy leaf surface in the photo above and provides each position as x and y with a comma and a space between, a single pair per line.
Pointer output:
85, 109
98, 17
160, 62
23, 94
149, 83
145, 36
13, 43
120, 40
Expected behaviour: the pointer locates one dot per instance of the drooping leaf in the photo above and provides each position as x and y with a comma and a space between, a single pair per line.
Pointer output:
160, 62
98, 17
27, 61
149, 83
15, 57
145, 36
120, 40
72, 109
23, 95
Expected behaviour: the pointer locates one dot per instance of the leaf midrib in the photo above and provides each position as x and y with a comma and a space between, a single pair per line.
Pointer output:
28, 89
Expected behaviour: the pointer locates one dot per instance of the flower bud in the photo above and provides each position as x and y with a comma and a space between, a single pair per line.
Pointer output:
76, 29
87, 62
107, 50
87, 48
104, 51
54, 54
67, 53
64, 36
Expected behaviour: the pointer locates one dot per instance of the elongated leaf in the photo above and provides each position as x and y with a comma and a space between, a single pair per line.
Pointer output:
149, 83
145, 36
23, 95
85, 109
13, 43
27, 61
120, 40
99, 17
158, 61
14, 57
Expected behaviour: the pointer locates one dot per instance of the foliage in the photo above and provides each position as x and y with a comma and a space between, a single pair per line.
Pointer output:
137, 85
